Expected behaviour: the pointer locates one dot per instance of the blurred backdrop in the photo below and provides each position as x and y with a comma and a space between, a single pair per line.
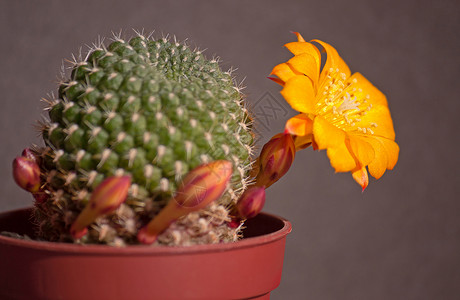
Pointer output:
400, 239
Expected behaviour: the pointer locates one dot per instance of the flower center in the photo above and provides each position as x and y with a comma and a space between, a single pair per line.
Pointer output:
342, 103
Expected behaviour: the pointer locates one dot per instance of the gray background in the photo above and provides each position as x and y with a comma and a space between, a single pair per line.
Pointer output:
400, 239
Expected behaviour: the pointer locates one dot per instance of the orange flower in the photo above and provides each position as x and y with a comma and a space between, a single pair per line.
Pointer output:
339, 111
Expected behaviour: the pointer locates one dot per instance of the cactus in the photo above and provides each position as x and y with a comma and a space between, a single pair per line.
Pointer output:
152, 110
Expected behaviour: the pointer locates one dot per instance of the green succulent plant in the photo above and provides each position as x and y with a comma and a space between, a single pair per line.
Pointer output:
150, 109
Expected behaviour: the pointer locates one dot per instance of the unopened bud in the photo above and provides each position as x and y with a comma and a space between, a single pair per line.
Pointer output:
26, 173
106, 198
200, 187
28, 153
275, 159
251, 202
204, 184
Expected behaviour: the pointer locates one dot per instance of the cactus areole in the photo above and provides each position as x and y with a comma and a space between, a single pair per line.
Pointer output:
153, 110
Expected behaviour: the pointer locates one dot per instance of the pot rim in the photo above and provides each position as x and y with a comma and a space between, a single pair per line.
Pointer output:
144, 249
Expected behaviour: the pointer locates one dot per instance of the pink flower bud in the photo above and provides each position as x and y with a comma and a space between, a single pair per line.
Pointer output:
27, 153
26, 173
251, 202
275, 159
200, 187
106, 198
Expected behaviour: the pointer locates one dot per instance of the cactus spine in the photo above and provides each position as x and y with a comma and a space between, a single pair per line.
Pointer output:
150, 109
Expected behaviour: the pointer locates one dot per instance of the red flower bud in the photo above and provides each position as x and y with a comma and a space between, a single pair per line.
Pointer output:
251, 202
200, 187
26, 173
27, 153
275, 159
106, 198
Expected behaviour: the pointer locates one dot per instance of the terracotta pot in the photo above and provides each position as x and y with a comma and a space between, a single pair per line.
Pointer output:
250, 268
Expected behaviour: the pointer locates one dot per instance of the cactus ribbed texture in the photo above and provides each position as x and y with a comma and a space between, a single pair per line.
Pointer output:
151, 109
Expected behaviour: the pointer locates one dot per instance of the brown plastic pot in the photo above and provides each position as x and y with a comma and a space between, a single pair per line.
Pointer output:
248, 269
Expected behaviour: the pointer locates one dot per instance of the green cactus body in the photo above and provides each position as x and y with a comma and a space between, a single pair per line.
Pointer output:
153, 109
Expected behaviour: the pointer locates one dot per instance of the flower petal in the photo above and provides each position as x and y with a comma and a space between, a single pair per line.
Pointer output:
277, 80
307, 65
283, 72
300, 125
386, 155
392, 150
361, 177
361, 150
297, 48
333, 61
378, 119
374, 114
365, 88
302, 142
379, 165
299, 36
299, 93
327, 135
341, 159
